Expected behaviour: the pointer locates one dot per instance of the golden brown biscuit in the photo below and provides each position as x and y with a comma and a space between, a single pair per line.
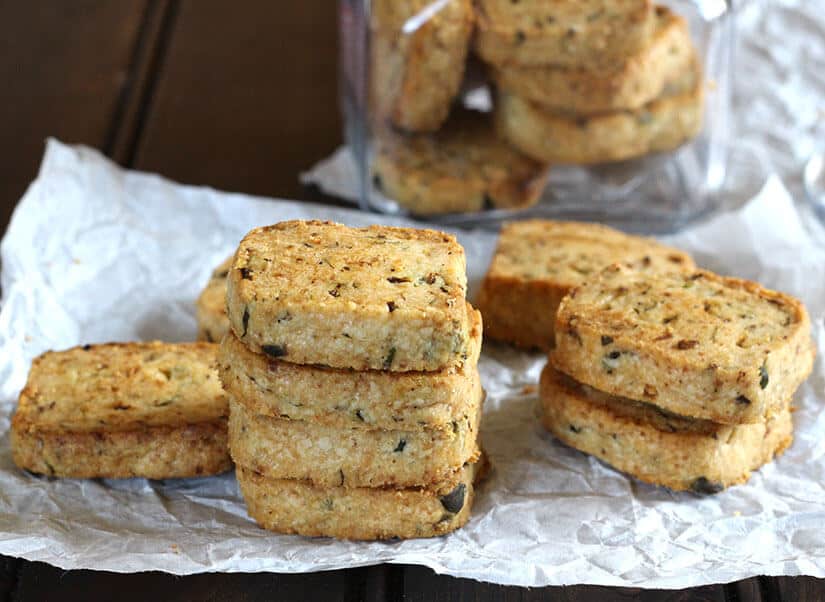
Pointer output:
463, 167
154, 410
655, 446
692, 343
379, 298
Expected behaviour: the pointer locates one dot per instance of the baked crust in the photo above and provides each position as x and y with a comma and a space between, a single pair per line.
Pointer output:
154, 410
378, 298
661, 125
640, 78
693, 343
416, 67
463, 167
345, 398
353, 457
592, 33
655, 446
211, 305
299, 507
537, 262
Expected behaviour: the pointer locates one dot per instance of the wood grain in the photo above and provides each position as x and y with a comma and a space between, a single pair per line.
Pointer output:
64, 65
246, 95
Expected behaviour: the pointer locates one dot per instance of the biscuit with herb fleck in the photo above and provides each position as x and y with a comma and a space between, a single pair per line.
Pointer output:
537, 262
693, 343
379, 298
643, 76
591, 33
353, 457
299, 507
211, 306
346, 398
661, 125
656, 446
418, 50
119, 410
463, 167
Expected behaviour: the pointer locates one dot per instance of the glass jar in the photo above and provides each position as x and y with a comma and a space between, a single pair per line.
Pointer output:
470, 113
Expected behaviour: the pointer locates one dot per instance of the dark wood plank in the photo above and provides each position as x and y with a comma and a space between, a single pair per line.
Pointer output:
38, 581
799, 589
422, 584
246, 96
747, 590
63, 67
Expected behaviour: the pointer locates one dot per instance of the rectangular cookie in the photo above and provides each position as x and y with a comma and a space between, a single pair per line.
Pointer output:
346, 398
537, 262
299, 507
376, 298
589, 33
119, 410
642, 77
692, 343
416, 71
353, 457
655, 446
663, 124
211, 305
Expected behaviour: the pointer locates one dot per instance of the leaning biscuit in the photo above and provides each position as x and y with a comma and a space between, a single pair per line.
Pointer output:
655, 446
418, 50
693, 343
119, 410
466, 166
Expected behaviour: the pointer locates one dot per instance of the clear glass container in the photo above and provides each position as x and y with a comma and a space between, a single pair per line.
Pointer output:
626, 137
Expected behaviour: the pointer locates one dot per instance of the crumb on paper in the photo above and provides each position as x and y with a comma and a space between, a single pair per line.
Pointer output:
528, 389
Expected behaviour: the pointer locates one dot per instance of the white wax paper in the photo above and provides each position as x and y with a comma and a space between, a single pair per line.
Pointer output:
95, 253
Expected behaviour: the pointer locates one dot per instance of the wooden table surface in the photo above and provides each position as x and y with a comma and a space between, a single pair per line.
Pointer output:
240, 96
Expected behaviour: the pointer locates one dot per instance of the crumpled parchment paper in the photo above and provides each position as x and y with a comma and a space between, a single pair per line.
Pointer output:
95, 253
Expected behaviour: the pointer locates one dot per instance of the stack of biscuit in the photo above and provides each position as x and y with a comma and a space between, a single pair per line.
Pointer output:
591, 81
351, 372
578, 82
681, 379
430, 156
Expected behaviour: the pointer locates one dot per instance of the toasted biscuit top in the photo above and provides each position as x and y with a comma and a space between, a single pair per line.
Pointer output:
700, 319
559, 17
373, 270
567, 253
122, 386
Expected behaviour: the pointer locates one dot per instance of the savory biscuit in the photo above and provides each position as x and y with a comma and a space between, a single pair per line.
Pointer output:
642, 77
352, 457
380, 298
299, 507
692, 343
211, 306
347, 398
655, 446
154, 410
463, 167
661, 125
591, 33
537, 262
418, 49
